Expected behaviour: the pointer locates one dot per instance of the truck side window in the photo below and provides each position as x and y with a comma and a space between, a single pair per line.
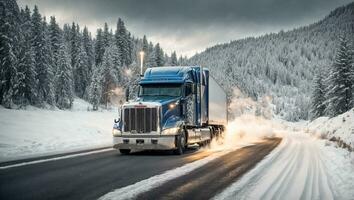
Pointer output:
188, 90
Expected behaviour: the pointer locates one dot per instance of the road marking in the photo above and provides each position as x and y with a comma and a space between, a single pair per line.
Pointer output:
54, 159
133, 190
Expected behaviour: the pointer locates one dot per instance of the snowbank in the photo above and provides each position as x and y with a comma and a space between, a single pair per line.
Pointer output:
339, 128
36, 132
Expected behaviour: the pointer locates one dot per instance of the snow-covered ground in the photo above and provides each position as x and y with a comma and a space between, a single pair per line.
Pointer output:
37, 132
301, 167
341, 127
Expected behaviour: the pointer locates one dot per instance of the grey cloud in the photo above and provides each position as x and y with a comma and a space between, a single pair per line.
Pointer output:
193, 24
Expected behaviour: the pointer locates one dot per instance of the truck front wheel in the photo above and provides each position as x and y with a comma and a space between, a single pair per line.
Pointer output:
124, 151
180, 143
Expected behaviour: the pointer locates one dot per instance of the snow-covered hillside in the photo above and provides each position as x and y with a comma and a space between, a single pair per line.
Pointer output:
280, 65
36, 132
339, 128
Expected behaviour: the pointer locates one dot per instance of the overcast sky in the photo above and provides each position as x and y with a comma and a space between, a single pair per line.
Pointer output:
189, 26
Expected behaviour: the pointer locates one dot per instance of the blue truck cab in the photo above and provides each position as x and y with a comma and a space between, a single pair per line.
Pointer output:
173, 109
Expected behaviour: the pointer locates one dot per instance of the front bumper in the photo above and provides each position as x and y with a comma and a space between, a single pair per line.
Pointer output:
144, 142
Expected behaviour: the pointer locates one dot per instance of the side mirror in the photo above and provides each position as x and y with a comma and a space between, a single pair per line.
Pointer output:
117, 120
127, 94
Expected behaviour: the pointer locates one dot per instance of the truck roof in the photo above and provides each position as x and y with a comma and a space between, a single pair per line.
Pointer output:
168, 74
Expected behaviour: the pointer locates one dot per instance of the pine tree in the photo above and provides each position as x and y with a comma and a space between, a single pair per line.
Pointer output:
41, 50
79, 61
159, 55
151, 61
318, 96
27, 82
54, 35
339, 95
108, 74
145, 47
48, 60
180, 61
95, 89
64, 94
174, 59
88, 46
99, 48
75, 44
122, 43
67, 35
106, 36
81, 72
116, 65
9, 51
130, 47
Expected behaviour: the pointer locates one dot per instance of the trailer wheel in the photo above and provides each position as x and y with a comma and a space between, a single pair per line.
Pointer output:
180, 143
124, 151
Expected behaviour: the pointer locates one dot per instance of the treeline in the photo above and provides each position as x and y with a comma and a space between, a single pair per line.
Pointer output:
281, 65
45, 65
333, 87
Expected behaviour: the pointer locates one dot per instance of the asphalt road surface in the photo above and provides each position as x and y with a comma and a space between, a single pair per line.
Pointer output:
91, 176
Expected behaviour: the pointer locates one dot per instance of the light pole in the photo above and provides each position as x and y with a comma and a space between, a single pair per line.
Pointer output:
141, 62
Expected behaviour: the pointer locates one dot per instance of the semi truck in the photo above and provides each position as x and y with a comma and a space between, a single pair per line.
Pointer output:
175, 107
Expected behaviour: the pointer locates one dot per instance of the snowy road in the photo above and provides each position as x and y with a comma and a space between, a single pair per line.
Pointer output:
296, 167
299, 168
92, 176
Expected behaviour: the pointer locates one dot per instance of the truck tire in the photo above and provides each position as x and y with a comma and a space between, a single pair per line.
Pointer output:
124, 151
180, 143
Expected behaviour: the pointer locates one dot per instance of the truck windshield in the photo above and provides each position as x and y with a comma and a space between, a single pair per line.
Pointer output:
172, 90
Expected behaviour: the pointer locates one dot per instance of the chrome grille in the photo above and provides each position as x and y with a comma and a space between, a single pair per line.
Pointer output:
140, 119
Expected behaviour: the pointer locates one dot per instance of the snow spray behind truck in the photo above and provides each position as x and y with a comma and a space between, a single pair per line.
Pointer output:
175, 107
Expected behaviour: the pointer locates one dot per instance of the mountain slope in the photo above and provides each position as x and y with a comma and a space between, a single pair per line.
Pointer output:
280, 65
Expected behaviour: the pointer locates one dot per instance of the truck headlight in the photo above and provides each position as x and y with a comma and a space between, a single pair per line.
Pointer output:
116, 132
170, 131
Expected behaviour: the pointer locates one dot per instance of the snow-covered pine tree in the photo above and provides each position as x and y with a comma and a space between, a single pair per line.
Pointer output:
48, 57
42, 59
88, 46
54, 35
95, 89
117, 66
181, 60
9, 51
159, 55
166, 59
67, 35
27, 83
150, 60
130, 49
145, 46
64, 93
108, 74
74, 45
174, 61
106, 36
121, 39
81, 72
318, 96
99, 48
339, 93
75, 50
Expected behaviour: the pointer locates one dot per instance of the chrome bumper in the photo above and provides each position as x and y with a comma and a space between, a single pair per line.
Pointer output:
144, 142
